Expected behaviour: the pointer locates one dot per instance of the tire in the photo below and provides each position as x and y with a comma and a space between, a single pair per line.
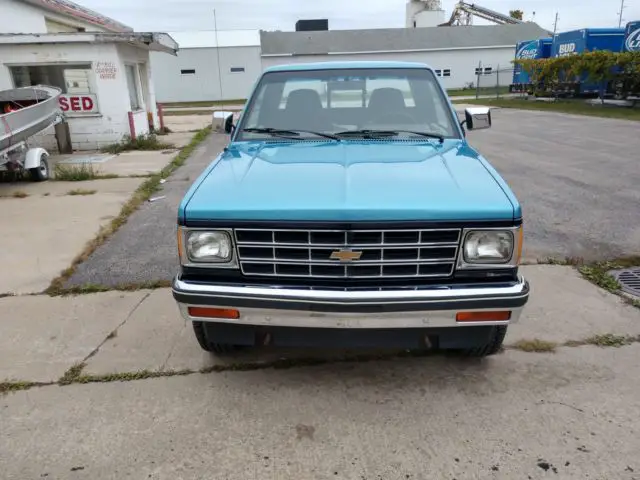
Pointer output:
208, 344
491, 348
40, 173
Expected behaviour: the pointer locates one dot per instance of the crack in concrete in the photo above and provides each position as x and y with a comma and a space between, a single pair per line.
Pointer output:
113, 333
279, 364
172, 349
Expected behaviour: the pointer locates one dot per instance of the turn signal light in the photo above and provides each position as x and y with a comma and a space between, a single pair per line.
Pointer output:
483, 316
206, 312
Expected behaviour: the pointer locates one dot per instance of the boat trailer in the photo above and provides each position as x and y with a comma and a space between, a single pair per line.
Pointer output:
25, 112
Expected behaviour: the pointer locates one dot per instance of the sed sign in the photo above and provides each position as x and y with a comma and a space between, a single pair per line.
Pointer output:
78, 104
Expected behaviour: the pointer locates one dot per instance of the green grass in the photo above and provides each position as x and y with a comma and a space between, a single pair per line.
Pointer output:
184, 113
72, 375
90, 288
141, 142
575, 107
465, 92
212, 103
141, 195
535, 345
81, 192
605, 340
6, 387
79, 173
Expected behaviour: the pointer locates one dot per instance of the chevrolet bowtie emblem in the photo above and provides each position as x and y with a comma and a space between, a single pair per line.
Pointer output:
345, 255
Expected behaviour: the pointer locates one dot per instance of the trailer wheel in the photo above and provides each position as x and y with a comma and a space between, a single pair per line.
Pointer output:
41, 172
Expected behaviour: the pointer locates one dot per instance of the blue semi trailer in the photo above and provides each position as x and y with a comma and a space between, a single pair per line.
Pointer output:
534, 49
632, 37
582, 41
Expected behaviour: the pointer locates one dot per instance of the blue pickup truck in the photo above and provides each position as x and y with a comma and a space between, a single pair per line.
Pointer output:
348, 210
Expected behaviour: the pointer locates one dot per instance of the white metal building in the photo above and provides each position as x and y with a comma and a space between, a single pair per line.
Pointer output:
102, 67
208, 66
455, 52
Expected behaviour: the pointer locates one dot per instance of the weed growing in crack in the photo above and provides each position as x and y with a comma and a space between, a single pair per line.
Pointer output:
72, 375
535, 345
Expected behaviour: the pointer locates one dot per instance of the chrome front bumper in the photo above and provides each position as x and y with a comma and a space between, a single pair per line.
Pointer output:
426, 307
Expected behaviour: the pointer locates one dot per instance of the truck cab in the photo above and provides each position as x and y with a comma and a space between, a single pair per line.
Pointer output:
348, 209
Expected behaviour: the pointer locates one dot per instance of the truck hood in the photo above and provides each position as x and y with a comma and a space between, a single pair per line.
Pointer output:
349, 181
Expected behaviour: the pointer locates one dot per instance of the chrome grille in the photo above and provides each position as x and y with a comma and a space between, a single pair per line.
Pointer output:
384, 253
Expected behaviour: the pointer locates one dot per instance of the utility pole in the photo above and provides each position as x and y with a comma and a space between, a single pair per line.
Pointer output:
555, 24
215, 26
621, 10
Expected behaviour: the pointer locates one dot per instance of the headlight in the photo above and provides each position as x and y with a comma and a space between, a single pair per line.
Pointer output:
488, 246
209, 247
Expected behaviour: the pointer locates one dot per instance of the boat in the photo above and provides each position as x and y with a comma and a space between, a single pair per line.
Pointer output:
25, 112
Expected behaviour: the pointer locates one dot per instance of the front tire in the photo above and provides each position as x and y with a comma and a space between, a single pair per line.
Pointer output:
493, 346
208, 343
41, 172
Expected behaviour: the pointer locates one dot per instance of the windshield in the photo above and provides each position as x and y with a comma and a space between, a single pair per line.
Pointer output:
335, 101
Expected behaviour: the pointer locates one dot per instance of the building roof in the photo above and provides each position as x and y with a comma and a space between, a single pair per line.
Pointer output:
397, 39
70, 9
225, 38
159, 42
344, 66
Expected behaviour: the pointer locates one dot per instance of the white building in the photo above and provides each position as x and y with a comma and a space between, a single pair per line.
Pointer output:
454, 52
209, 66
102, 67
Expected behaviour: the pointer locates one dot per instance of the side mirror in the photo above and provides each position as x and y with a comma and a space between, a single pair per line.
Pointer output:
229, 127
478, 118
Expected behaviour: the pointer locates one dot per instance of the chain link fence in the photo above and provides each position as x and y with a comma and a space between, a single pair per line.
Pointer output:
494, 81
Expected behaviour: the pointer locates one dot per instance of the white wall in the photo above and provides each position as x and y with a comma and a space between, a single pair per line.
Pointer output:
204, 85
112, 121
462, 63
19, 17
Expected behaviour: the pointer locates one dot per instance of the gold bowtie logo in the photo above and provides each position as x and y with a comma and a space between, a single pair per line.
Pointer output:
345, 255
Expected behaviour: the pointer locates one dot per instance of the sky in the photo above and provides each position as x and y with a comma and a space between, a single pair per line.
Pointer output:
184, 15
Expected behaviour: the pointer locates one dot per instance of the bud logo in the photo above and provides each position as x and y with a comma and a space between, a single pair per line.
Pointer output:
632, 44
530, 50
566, 49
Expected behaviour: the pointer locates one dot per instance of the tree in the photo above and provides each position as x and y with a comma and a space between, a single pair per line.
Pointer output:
517, 14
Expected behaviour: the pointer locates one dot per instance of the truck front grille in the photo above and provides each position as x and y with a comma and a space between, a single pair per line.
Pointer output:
356, 253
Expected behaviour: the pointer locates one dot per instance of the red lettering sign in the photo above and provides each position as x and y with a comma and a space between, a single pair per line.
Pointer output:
78, 104
87, 103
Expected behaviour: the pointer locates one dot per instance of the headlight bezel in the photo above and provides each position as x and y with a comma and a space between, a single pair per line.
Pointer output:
512, 262
187, 261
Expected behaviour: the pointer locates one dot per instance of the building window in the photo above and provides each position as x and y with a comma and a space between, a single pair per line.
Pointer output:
446, 72
485, 71
188, 71
71, 79
132, 85
237, 69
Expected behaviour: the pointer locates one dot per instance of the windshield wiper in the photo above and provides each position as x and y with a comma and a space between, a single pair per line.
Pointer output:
388, 133
292, 133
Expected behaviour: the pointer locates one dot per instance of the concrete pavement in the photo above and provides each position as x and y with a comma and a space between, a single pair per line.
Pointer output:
144, 250
572, 414
49, 227
151, 335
